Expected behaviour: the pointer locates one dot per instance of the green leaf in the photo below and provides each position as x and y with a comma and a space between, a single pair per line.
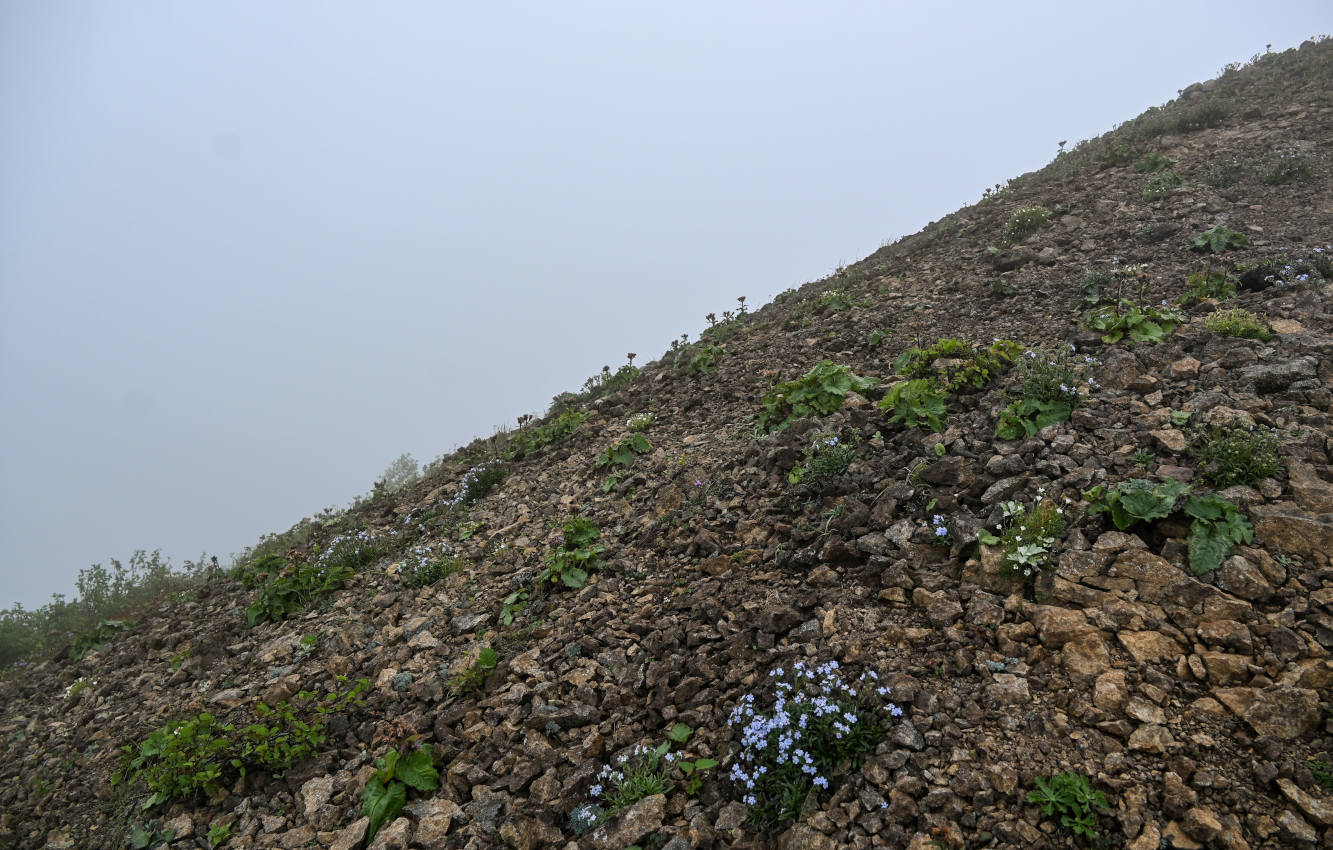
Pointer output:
573, 577
680, 733
381, 803
705, 764
418, 770
986, 538
487, 658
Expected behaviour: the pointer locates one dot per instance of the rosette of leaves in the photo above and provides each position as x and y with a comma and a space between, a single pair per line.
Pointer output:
578, 555
1128, 320
917, 403
818, 392
1216, 525
386, 792
1218, 239
1070, 796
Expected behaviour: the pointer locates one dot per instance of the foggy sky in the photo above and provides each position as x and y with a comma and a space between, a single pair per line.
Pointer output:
252, 252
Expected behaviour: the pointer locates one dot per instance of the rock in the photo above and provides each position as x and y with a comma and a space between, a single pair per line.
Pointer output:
1144, 711
1281, 711
1308, 488
1318, 809
1201, 824
1008, 689
1185, 367
1149, 646
631, 824
434, 818
315, 793
1109, 693
1058, 626
351, 836
732, 816
941, 608
1284, 527
1275, 377
1086, 658
1295, 829
1169, 439
1151, 738
1174, 837
1239, 576
1226, 633
1226, 669
393, 836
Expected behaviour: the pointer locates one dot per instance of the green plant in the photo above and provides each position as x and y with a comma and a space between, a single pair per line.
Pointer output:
219, 834
818, 728
579, 554
1050, 380
634, 776
831, 301
1070, 796
142, 836
1224, 173
199, 753
956, 363
1024, 223
1218, 239
1154, 162
1232, 453
309, 642
1201, 117
1287, 165
472, 676
424, 565
915, 403
1116, 153
1208, 283
1161, 183
105, 631
705, 359
1142, 457
530, 440
1239, 323
722, 330
1027, 535
1180, 418
1003, 286
513, 605
477, 483
819, 392
877, 336
1127, 320
826, 457
1216, 525
621, 452
694, 770
386, 791
639, 422
293, 591
1323, 773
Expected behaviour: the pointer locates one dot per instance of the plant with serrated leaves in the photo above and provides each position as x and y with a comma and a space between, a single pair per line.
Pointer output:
513, 605
1024, 223
818, 392
958, 364
918, 403
530, 440
1051, 378
95, 638
471, 677
1027, 535
1218, 239
1070, 796
826, 457
385, 793
1231, 453
219, 833
705, 359
1236, 322
293, 590
1129, 321
578, 555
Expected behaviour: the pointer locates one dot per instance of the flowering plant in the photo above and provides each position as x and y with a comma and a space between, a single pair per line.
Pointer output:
1028, 534
818, 726
826, 457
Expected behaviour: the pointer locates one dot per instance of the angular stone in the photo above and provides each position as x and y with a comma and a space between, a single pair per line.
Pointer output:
1227, 633
1151, 738
632, 824
1308, 488
1201, 824
1169, 439
1239, 576
1008, 689
1226, 669
1283, 527
1149, 646
1318, 809
393, 836
1295, 829
1058, 626
1144, 711
351, 836
1283, 712
1110, 693
1185, 367
1086, 658
315, 793
434, 818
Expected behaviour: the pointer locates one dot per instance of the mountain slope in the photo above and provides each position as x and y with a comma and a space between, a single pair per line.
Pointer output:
1195, 700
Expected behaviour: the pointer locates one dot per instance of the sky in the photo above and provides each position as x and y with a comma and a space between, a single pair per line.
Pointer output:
250, 253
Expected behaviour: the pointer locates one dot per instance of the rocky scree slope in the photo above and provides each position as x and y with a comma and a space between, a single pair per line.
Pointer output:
1197, 704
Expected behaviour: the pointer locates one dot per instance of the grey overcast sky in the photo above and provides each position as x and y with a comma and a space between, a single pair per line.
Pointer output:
252, 252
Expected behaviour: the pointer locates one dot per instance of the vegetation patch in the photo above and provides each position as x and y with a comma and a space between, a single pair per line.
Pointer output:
819, 392
1238, 323
1070, 797
1232, 453
1217, 239
385, 793
826, 457
1216, 525
528, 441
1025, 223
578, 555
1129, 321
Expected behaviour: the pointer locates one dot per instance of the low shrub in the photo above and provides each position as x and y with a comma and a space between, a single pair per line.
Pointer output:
917, 403
826, 457
1070, 796
528, 441
1218, 239
1231, 453
1238, 323
1024, 223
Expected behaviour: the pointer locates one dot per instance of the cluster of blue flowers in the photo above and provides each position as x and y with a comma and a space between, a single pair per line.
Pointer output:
1303, 269
817, 723
939, 527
